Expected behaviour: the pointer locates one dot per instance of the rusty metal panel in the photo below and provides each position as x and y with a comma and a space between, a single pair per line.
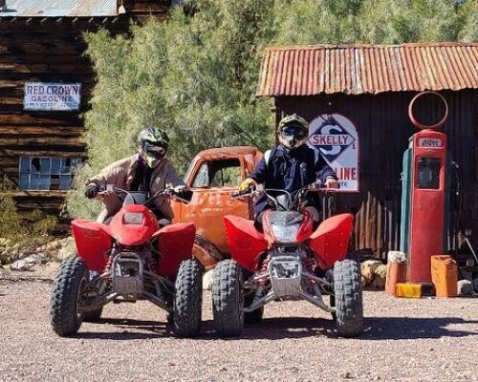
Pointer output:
384, 129
362, 69
59, 8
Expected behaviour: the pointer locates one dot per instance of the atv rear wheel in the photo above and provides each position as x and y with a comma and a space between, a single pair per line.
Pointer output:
67, 294
348, 298
228, 298
255, 316
188, 299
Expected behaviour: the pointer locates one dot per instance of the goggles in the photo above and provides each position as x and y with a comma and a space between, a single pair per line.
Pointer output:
293, 131
154, 149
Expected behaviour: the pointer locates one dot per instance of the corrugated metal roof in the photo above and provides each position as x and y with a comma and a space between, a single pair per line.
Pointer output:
59, 8
358, 69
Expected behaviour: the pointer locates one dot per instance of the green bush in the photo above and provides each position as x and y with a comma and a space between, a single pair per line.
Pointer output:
195, 74
17, 232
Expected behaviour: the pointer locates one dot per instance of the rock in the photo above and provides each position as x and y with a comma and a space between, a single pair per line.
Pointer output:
396, 257
207, 280
54, 245
368, 269
36, 259
4, 272
379, 277
21, 265
465, 288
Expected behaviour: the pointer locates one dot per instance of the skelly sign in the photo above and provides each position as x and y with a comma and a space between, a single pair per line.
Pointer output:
335, 136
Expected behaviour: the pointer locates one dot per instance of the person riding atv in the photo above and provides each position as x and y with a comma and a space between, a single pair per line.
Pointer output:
149, 171
290, 166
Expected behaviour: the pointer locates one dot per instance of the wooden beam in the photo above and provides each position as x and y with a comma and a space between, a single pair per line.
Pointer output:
44, 131
57, 152
41, 119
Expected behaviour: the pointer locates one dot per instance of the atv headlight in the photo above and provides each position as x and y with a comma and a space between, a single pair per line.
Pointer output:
133, 218
286, 233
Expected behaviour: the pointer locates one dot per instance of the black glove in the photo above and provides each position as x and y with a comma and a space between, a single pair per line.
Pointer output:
91, 190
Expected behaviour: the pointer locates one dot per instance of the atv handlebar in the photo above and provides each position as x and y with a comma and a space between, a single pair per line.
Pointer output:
183, 195
251, 191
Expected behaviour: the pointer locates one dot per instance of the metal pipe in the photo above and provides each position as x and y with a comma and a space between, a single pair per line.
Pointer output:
259, 303
315, 278
98, 302
158, 302
317, 301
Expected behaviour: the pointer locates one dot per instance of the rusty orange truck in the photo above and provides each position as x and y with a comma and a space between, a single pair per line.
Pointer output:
214, 175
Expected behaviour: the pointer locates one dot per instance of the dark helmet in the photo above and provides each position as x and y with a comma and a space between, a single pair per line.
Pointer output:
153, 144
293, 131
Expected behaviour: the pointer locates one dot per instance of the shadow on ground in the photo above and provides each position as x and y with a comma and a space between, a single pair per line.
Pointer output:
376, 328
130, 330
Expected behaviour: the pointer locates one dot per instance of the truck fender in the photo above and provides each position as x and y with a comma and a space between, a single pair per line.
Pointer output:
206, 252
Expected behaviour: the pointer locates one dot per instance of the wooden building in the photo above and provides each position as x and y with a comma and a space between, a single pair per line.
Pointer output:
372, 86
45, 85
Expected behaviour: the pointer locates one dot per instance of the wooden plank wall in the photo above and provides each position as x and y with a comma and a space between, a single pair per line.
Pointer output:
140, 10
50, 50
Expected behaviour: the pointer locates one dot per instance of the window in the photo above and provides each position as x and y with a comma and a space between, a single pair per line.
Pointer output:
46, 173
429, 173
220, 173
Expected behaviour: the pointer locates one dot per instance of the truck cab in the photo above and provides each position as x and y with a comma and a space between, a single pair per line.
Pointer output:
213, 175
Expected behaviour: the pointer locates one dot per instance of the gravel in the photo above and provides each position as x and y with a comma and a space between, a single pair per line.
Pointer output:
405, 340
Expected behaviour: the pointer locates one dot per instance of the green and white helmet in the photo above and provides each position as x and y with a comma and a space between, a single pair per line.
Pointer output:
153, 143
293, 131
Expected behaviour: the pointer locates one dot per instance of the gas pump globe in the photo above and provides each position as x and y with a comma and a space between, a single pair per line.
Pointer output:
424, 195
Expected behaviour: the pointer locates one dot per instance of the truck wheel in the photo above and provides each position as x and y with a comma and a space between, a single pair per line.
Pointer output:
68, 288
93, 315
348, 298
228, 298
255, 316
332, 304
188, 299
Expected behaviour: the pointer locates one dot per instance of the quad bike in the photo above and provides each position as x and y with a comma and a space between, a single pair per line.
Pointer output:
288, 261
133, 258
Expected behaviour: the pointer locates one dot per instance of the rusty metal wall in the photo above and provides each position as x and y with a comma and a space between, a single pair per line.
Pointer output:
384, 129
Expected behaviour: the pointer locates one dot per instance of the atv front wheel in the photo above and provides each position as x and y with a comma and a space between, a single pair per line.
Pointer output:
348, 298
228, 298
188, 299
67, 294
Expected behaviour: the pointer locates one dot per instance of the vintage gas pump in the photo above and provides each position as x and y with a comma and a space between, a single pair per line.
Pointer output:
424, 195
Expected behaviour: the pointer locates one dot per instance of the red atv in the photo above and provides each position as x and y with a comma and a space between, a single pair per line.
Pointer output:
130, 259
288, 261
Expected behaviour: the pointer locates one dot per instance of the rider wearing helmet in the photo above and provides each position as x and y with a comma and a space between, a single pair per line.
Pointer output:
290, 166
149, 170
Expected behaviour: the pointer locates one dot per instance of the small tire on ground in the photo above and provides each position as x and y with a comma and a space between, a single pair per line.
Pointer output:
255, 316
228, 299
187, 307
69, 282
93, 315
348, 298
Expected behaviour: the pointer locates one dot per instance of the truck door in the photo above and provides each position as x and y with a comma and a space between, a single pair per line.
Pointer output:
213, 181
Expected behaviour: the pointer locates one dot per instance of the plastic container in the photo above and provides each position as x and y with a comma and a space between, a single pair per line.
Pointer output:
396, 273
444, 275
410, 290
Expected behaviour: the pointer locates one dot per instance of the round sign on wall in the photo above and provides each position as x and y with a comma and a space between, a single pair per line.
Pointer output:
335, 136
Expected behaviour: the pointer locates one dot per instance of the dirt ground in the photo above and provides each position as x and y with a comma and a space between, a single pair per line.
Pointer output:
405, 340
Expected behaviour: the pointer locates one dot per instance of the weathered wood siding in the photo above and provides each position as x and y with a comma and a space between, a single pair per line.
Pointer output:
50, 50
